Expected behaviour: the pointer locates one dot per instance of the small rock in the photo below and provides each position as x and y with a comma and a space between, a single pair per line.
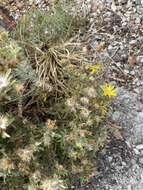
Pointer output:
132, 72
126, 71
141, 160
138, 83
137, 90
138, 20
140, 39
129, 187
139, 59
124, 163
118, 64
116, 115
110, 158
136, 151
139, 147
133, 42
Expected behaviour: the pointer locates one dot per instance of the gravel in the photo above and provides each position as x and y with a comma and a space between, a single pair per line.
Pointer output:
120, 26
120, 164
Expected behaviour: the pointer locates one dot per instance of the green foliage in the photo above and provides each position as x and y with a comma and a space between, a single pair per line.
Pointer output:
52, 111
50, 27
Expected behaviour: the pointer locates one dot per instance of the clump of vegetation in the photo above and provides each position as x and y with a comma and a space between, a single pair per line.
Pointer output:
52, 106
40, 27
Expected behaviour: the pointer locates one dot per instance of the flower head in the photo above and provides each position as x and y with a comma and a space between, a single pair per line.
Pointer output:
3, 122
84, 100
94, 68
84, 112
25, 154
71, 103
3, 81
52, 184
23, 167
36, 176
6, 165
50, 124
90, 92
109, 90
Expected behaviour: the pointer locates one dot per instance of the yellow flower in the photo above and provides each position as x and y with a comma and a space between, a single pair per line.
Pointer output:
94, 68
109, 90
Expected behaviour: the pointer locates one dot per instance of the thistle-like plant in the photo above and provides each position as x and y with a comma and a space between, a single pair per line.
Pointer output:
58, 105
52, 184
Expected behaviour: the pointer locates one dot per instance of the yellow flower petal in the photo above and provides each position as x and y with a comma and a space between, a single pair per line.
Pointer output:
109, 90
94, 68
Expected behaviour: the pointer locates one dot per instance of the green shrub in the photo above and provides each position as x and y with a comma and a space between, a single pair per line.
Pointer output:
49, 27
52, 111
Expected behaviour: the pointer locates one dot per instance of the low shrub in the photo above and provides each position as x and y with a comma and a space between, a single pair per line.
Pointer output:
51, 110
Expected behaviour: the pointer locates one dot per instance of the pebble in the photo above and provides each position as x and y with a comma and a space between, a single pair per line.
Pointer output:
135, 80
138, 20
132, 72
136, 151
141, 160
129, 187
139, 147
124, 163
138, 83
126, 71
116, 115
110, 158
133, 42
118, 64
140, 39
139, 59
137, 90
